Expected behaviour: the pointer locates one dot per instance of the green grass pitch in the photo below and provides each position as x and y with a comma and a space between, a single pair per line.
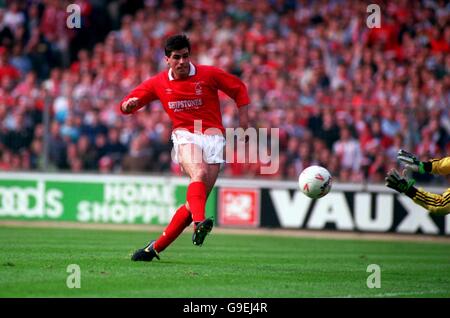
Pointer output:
34, 261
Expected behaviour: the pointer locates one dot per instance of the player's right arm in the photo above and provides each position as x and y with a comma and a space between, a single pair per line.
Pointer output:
139, 97
440, 166
433, 166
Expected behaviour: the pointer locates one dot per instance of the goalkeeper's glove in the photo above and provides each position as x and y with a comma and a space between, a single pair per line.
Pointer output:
395, 181
410, 162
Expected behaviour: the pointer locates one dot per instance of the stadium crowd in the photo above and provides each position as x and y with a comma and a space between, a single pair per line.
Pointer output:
344, 96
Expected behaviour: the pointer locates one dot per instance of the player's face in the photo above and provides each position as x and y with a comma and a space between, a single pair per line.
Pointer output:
178, 61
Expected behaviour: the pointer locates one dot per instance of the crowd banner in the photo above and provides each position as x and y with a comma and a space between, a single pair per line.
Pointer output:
93, 198
348, 207
244, 203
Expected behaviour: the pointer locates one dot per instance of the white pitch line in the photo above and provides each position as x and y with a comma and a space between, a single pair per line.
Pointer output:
319, 234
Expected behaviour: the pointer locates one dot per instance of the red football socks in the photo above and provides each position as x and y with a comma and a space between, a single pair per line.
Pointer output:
196, 197
181, 219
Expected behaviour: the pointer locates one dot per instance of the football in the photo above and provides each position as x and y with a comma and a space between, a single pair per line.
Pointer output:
315, 181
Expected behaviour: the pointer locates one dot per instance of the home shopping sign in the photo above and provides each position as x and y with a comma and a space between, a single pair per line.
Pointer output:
108, 200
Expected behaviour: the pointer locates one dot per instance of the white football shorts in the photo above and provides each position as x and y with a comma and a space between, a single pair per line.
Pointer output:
212, 145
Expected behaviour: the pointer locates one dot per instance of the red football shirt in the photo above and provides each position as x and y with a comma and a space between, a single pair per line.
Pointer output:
192, 98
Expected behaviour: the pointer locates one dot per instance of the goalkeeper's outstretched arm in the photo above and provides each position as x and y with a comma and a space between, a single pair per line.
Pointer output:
433, 166
438, 204
435, 203
438, 166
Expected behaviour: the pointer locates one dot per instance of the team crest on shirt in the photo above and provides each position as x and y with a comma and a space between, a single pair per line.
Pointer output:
169, 91
198, 88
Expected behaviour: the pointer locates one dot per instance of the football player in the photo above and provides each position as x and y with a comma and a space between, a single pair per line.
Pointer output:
438, 204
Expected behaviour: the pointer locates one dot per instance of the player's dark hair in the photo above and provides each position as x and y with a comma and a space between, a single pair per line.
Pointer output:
177, 42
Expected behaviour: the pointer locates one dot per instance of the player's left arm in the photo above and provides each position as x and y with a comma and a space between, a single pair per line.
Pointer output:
438, 204
243, 117
232, 86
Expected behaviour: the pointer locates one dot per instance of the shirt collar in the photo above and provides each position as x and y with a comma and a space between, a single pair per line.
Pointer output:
192, 71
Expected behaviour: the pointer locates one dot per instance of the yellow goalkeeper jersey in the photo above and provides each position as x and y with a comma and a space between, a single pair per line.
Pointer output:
436, 203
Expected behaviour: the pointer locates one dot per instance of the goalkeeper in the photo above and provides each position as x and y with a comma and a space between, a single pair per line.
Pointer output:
438, 204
